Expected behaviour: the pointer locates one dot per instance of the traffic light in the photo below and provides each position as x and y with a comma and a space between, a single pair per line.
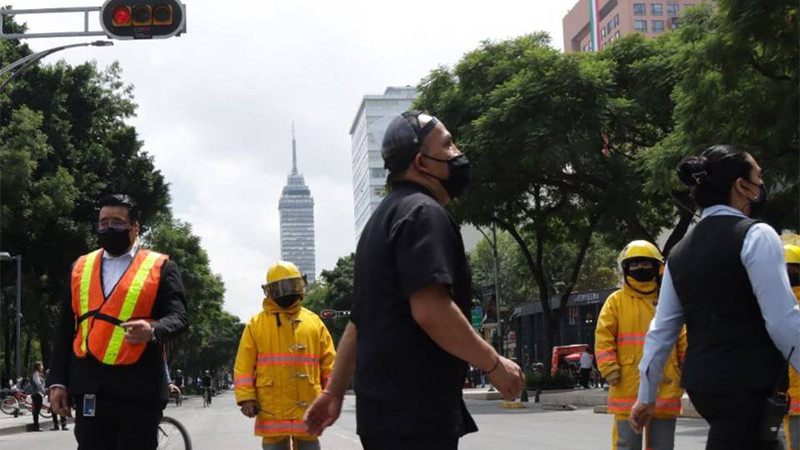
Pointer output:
327, 313
143, 19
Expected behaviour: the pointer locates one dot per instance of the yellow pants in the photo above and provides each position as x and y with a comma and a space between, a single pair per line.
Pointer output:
287, 442
660, 434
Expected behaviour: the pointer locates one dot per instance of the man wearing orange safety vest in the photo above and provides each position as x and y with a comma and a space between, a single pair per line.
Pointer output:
791, 423
124, 302
619, 343
284, 360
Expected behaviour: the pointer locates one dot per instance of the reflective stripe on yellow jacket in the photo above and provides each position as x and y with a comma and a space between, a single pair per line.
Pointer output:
284, 360
794, 378
619, 344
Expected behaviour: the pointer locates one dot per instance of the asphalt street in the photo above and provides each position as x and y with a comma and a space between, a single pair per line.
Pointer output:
222, 427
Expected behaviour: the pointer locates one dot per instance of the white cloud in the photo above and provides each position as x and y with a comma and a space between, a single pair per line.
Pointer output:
216, 105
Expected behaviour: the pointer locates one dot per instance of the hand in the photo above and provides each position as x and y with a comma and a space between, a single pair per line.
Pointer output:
613, 378
138, 331
249, 408
59, 401
507, 378
322, 413
174, 389
641, 415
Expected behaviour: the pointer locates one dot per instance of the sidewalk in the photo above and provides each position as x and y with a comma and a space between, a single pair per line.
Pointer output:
595, 397
11, 425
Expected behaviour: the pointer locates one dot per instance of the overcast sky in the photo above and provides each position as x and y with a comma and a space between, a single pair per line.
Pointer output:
216, 104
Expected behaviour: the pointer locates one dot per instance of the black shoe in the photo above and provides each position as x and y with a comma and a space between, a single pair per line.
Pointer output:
64, 428
54, 429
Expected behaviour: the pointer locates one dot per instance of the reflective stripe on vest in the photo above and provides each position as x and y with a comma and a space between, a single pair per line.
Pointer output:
132, 296
86, 279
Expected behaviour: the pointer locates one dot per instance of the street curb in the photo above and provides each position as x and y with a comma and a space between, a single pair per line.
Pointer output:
16, 429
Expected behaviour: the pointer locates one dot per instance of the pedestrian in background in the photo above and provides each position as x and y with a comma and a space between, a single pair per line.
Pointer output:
586, 368
619, 337
56, 417
411, 307
37, 393
727, 281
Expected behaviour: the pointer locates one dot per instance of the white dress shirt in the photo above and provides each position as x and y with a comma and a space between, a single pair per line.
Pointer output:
115, 266
763, 259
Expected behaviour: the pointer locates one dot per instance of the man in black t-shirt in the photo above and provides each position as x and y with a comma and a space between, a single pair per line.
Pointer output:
409, 328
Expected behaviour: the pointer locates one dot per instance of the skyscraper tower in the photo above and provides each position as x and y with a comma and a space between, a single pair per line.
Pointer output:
296, 209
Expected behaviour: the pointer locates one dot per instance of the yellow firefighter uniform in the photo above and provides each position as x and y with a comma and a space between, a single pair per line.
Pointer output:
791, 423
284, 360
619, 342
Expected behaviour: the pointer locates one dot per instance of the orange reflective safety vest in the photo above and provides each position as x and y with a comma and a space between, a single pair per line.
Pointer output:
97, 318
794, 377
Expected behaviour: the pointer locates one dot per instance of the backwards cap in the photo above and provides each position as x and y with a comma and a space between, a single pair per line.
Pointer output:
403, 139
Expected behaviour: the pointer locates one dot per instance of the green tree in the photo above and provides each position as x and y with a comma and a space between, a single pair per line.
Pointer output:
213, 336
738, 82
534, 122
334, 290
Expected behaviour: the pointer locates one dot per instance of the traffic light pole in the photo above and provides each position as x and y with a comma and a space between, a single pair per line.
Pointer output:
23, 63
80, 9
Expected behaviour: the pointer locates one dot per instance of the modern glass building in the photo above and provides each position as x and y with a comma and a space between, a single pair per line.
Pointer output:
366, 135
297, 220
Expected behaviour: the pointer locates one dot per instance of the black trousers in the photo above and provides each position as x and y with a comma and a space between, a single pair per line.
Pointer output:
584, 373
407, 443
117, 426
37, 406
734, 419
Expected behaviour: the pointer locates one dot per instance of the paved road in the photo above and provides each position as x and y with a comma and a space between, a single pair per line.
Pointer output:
222, 427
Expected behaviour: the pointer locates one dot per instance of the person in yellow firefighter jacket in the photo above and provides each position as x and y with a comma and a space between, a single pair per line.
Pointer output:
619, 342
791, 423
284, 360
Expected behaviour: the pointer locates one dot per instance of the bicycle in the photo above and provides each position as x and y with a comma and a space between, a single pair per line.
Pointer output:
206, 397
172, 435
18, 399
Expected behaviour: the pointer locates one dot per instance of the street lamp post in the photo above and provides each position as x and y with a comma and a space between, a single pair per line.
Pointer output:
23, 63
4, 256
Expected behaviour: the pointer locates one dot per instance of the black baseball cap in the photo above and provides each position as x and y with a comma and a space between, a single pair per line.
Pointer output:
403, 139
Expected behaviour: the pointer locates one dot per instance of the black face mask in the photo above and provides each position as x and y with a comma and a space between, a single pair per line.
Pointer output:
642, 275
113, 240
287, 300
458, 180
757, 207
794, 279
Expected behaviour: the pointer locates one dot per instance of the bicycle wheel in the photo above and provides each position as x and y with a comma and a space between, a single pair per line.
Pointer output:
172, 435
46, 412
9, 405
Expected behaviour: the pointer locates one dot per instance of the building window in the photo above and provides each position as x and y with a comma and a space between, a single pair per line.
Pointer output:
672, 9
656, 9
616, 35
639, 9
640, 25
616, 21
658, 26
674, 23
603, 33
608, 28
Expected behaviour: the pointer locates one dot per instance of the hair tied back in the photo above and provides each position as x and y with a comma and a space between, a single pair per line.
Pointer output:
700, 177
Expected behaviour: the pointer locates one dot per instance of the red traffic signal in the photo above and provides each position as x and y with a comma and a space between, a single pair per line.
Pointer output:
143, 19
327, 313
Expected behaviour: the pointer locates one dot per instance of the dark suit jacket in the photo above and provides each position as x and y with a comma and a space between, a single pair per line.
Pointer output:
142, 383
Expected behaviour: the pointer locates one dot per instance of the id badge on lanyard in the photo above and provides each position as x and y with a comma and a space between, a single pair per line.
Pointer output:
89, 405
